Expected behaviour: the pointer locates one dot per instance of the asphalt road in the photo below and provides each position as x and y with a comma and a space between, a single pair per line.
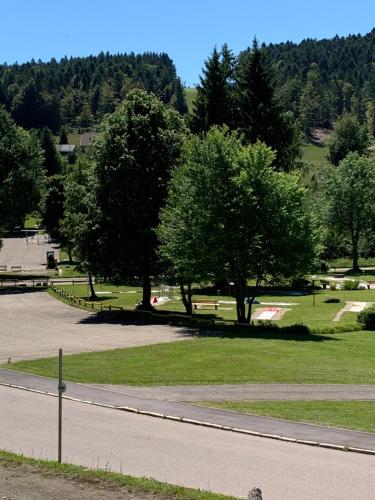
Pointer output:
181, 453
34, 325
220, 417
29, 253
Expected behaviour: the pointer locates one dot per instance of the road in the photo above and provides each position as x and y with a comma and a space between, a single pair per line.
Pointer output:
181, 453
34, 325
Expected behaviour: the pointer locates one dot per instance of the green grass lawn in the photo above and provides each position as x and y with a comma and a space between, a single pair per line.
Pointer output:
357, 415
316, 317
315, 154
346, 358
345, 262
32, 221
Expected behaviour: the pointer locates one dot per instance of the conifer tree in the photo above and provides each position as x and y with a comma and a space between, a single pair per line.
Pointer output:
258, 115
213, 103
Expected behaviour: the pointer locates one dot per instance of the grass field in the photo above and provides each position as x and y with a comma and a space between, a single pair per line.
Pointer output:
357, 415
32, 221
190, 95
300, 310
346, 358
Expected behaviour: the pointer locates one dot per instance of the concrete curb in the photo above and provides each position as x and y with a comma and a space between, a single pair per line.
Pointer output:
201, 423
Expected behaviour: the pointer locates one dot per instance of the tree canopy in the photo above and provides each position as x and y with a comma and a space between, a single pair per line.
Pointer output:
349, 136
21, 172
349, 189
135, 152
230, 214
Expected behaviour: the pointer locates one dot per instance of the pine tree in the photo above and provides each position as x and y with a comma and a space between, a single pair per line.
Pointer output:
52, 160
258, 115
213, 103
63, 139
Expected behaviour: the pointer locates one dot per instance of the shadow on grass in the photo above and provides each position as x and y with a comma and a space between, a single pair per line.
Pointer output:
203, 326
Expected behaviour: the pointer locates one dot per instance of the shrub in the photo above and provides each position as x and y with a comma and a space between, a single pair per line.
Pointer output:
367, 318
333, 286
297, 329
332, 300
351, 284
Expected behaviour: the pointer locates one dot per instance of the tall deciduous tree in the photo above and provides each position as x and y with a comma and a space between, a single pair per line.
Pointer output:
350, 191
21, 173
349, 136
135, 153
229, 213
79, 225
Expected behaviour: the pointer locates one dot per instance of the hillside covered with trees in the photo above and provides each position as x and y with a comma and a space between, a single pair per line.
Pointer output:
78, 92
319, 80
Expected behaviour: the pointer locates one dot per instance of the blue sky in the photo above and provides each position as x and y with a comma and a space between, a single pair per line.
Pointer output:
187, 31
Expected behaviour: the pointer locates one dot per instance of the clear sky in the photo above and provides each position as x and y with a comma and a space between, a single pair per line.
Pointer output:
187, 30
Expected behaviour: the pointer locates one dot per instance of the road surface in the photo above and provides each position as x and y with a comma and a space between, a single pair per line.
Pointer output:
180, 453
30, 253
34, 325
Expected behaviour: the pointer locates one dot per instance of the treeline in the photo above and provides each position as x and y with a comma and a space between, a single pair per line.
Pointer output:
319, 80
78, 92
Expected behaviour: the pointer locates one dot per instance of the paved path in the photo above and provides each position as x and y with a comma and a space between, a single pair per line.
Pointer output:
252, 392
29, 253
34, 325
181, 454
232, 419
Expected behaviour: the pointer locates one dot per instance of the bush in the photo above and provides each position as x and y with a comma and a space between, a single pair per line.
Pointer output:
367, 318
297, 329
333, 286
351, 284
332, 300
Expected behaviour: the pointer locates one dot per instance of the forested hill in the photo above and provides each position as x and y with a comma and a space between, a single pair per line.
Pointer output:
320, 79
78, 91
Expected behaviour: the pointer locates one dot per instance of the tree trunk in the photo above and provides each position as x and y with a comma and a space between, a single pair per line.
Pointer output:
240, 300
251, 302
355, 254
146, 298
186, 298
70, 255
93, 295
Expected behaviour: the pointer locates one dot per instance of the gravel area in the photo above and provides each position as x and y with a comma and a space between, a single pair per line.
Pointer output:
26, 482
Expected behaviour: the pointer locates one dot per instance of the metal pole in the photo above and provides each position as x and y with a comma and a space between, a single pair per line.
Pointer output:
61, 388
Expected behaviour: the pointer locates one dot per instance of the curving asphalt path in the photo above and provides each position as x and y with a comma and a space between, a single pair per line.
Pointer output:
35, 325
181, 454
229, 419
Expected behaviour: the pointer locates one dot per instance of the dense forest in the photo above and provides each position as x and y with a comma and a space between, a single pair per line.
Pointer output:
318, 80
78, 92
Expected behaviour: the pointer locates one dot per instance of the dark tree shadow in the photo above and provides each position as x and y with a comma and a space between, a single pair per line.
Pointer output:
203, 326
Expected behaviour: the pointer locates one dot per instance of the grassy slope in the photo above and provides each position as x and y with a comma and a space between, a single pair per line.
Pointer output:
317, 317
263, 358
358, 415
150, 488
190, 95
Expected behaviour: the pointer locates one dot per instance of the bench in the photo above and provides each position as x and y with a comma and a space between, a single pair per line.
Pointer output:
205, 304
16, 268
339, 275
369, 284
3, 268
